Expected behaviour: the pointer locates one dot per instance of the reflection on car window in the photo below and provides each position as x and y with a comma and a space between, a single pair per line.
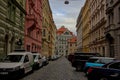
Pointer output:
13, 58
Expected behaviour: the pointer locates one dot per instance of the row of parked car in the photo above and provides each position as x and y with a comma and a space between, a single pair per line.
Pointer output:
21, 62
95, 66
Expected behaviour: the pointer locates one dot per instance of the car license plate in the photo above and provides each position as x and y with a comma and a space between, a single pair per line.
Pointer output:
3, 73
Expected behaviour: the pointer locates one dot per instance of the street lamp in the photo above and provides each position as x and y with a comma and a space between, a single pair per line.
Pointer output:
66, 2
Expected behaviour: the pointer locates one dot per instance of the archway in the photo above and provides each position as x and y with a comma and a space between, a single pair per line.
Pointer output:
110, 40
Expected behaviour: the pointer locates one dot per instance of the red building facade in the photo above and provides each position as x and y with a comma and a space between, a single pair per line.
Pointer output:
33, 26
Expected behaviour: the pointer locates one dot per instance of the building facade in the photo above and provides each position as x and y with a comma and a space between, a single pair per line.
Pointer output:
63, 34
85, 26
79, 32
12, 14
112, 29
93, 19
33, 26
48, 30
72, 45
97, 25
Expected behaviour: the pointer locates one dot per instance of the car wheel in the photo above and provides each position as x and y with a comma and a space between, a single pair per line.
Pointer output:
22, 73
103, 78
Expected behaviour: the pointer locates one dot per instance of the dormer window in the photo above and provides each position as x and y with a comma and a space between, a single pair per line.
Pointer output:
66, 33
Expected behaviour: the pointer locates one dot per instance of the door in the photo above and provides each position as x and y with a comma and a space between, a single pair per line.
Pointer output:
27, 66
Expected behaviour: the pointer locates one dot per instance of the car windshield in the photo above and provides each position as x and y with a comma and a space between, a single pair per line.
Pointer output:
13, 58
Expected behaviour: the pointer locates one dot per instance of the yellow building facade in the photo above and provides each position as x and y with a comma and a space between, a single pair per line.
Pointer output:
48, 30
85, 27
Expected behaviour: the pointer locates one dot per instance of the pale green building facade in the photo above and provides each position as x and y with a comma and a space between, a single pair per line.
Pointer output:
12, 14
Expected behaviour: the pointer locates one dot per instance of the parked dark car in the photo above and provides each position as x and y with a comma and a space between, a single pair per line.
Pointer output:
70, 57
80, 58
97, 62
110, 71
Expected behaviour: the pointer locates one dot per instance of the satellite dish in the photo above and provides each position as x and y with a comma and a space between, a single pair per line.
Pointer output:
66, 2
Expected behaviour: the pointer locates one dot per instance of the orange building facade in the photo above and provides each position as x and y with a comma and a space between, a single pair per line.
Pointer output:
72, 45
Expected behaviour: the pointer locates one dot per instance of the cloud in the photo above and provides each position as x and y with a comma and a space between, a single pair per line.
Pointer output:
66, 14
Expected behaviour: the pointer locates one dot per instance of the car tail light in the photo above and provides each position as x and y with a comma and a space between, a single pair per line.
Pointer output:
90, 70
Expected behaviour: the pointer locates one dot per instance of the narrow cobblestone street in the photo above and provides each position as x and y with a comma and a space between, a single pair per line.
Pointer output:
56, 70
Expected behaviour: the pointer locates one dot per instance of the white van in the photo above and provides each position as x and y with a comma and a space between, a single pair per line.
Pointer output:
17, 63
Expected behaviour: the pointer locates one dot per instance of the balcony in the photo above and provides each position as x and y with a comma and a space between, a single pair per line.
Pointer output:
30, 17
30, 21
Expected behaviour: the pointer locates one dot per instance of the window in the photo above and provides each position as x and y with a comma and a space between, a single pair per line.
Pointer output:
11, 11
112, 16
21, 19
37, 34
109, 19
66, 33
44, 32
13, 58
119, 14
26, 59
28, 47
115, 65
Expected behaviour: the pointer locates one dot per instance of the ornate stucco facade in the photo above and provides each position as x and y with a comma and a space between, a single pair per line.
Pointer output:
63, 34
48, 30
112, 29
97, 25
12, 14
33, 26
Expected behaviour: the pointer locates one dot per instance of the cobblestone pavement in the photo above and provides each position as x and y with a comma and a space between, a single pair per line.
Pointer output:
56, 70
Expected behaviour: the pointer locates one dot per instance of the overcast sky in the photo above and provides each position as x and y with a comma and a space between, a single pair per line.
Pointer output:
66, 14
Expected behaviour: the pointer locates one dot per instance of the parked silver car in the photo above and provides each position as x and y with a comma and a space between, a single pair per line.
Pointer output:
38, 62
